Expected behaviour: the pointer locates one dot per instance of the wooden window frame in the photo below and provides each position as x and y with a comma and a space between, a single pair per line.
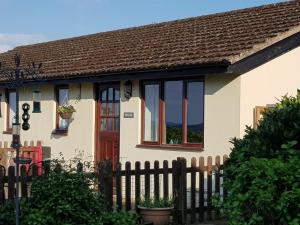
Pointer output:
160, 113
159, 144
7, 92
59, 131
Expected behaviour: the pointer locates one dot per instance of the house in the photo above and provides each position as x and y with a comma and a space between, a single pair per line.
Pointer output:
176, 89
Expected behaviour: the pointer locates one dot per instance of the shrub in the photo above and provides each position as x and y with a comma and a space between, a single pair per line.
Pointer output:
63, 197
263, 173
7, 214
120, 218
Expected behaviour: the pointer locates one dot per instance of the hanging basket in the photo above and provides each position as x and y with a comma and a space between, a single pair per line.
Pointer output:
65, 115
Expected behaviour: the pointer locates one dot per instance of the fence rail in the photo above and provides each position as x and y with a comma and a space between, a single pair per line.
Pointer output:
192, 187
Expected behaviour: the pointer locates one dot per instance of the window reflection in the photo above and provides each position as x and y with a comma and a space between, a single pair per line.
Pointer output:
173, 112
12, 101
195, 93
151, 112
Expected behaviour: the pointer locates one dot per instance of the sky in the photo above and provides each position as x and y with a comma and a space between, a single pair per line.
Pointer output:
31, 21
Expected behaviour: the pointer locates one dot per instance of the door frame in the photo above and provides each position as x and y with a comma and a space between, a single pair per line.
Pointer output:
97, 115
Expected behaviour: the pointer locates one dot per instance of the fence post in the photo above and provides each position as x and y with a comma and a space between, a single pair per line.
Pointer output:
46, 166
217, 182
225, 193
175, 187
166, 179
147, 179
24, 192
106, 182
79, 167
11, 182
137, 183
156, 180
128, 186
119, 186
183, 190
35, 170
193, 190
201, 189
209, 188
2, 193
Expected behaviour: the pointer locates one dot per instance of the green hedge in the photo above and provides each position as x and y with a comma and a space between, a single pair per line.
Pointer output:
263, 173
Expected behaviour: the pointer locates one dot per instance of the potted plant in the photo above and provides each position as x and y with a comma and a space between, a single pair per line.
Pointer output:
66, 111
157, 211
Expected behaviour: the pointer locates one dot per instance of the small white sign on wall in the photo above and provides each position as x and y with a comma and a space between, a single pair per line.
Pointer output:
128, 115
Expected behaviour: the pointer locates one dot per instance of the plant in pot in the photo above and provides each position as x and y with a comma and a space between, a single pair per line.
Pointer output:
66, 111
157, 211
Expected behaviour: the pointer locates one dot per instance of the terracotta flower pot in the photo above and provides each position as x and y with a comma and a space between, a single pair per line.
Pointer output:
66, 115
158, 216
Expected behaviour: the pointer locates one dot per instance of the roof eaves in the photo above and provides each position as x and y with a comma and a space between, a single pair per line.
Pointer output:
269, 42
265, 55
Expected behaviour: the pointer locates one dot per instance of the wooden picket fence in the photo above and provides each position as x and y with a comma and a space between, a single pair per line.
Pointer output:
192, 187
167, 181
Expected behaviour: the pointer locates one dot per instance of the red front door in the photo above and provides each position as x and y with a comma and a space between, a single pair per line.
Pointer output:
108, 122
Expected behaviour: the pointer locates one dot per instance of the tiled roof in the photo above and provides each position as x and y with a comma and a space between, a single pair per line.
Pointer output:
214, 39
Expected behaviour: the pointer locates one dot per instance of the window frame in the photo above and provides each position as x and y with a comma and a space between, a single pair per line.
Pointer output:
59, 130
184, 145
7, 92
160, 112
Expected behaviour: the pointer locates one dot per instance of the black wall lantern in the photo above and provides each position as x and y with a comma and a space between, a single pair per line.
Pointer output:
128, 89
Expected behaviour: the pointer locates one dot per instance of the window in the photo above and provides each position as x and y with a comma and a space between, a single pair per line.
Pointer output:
62, 98
173, 113
36, 102
11, 108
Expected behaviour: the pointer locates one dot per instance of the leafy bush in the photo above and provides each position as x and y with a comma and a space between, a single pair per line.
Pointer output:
263, 173
63, 197
120, 218
7, 214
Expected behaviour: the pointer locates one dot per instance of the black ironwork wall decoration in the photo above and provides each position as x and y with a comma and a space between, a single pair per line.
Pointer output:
25, 116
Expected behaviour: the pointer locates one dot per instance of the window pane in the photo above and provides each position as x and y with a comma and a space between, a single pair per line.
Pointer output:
117, 95
195, 93
103, 109
110, 94
151, 112
103, 97
12, 108
63, 96
110, 109
173, 112
103, 124
117, 124
117, 109
63, 124
63, 100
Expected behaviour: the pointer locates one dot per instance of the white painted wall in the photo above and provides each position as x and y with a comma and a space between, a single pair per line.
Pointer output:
267, 83
81, 131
